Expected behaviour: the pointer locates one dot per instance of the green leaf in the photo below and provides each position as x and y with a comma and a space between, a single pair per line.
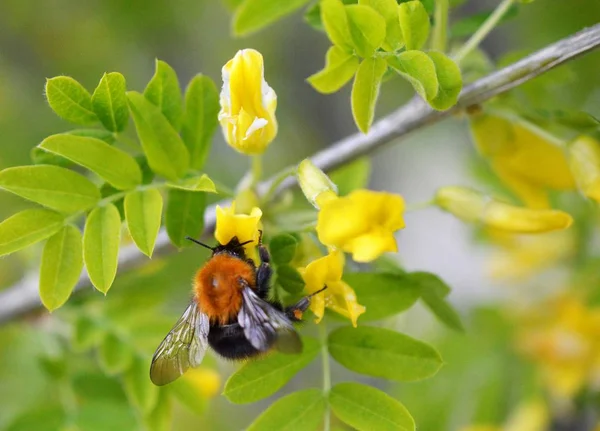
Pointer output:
138, 387
104, 135
164, 149
41, 157
28, 227
164, 92
414, 23
335, 21
52, 186
340, 67
352, 176
365, 91
161, 416
312, 16
62, 263
115, 355
418, 69
189, 394
300, 411
101, 239
433, 292
184, 215
289, 279
282, 248
388, 9
147, 174
49, 416
261, 378
254, 15
366, 408
107, 190
383, 353
86, 333
200, 118
367, 29
70, 100
113, 165
143, 210
110, 103
450, 81
382, 294
195, 184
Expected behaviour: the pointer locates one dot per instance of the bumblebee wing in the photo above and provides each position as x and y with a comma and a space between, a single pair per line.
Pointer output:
183, 347
264, 325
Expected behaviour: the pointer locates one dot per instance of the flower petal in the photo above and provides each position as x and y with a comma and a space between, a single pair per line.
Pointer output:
244, 226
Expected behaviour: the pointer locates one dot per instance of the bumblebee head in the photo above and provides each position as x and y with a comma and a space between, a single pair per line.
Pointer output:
233, 247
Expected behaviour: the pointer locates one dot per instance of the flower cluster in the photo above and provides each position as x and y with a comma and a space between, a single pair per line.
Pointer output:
362, 223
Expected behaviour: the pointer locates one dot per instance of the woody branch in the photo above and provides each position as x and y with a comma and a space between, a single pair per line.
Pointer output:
22, 297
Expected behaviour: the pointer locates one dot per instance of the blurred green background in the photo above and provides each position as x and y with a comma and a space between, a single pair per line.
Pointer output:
482, 381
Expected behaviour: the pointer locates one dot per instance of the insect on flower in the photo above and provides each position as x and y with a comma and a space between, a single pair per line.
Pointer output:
231, 312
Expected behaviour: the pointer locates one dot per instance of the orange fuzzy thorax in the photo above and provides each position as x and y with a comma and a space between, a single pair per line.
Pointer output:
218, 288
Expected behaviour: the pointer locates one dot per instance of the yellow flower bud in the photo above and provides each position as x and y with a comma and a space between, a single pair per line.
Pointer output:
244, 226
339, 296
472, 206
584, 160
248, 104
314, 182
362, 223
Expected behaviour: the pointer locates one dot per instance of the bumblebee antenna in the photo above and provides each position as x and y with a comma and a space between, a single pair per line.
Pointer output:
317, 292
246, 242
200, 243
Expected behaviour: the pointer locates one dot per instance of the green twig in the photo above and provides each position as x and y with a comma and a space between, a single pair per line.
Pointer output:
439, 37
326, 372
483, 31
279, 178
418, 206
256, 170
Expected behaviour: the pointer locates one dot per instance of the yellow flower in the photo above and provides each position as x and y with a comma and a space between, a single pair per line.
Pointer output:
520, 256
327, 271
525, 158
563, 338
248, 104
244, 226
584, 159
203, 382
472, 206
362, 223
529, 416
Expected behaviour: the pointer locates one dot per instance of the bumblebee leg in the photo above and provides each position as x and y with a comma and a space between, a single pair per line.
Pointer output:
294, 312
264, 272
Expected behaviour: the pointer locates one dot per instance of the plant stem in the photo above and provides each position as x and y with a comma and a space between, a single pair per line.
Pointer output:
279, 178
418, 206
483, 31
326, 372
438, 41
256, 170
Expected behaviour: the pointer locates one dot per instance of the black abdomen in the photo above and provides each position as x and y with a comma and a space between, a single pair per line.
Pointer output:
230, 342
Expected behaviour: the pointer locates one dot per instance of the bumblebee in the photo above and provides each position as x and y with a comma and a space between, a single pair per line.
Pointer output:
230, 312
